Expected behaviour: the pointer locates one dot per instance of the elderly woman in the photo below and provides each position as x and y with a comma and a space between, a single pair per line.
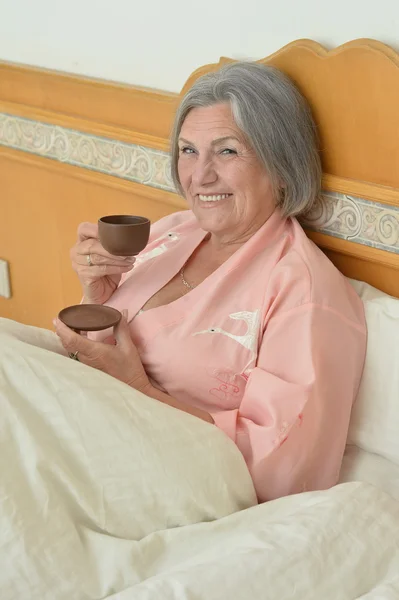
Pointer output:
231, 313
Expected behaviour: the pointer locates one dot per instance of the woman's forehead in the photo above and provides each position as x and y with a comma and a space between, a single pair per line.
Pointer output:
210, 121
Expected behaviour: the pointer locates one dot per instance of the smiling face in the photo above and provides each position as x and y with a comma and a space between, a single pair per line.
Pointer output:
224, 183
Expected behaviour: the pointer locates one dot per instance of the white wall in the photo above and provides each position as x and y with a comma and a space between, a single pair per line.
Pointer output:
158, 43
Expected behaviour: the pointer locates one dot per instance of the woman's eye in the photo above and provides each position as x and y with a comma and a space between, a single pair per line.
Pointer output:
186, 150
227, 151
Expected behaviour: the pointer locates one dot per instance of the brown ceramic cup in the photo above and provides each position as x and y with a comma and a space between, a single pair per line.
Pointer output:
124, 235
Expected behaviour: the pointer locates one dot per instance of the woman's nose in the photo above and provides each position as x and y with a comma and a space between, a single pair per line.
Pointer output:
204, 173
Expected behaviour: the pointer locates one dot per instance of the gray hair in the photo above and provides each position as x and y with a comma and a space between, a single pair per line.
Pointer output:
277, 122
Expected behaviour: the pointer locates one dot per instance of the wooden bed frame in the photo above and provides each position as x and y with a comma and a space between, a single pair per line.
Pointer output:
353, 91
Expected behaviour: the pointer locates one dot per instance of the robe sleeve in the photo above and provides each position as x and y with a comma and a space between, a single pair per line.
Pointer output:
292, 423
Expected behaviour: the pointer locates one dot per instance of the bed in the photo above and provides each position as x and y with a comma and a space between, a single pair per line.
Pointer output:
106, 494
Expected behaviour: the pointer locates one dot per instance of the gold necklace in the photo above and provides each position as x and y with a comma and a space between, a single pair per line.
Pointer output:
184, 281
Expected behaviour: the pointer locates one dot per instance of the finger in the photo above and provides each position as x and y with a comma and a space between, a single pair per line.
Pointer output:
73, 342
87, 231
80, 258
122, 333
93, 273
69, 338
93, 247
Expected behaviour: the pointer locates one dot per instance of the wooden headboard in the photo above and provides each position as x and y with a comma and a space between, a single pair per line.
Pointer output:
73, 149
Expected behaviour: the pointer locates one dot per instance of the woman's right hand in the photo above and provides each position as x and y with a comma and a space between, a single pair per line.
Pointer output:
100, 279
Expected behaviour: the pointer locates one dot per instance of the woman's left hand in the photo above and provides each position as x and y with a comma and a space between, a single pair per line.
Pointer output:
121, 361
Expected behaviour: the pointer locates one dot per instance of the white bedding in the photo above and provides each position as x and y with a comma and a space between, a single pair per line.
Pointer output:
359, 465
105, 493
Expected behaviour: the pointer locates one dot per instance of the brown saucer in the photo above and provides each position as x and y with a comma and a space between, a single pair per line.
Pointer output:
89, 317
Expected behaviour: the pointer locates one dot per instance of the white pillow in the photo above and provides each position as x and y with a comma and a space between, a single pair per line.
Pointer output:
374, 423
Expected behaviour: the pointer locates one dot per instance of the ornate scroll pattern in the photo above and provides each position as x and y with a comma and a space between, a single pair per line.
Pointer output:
129, 161
356, 219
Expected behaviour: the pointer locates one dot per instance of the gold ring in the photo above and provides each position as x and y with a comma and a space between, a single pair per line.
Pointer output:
74, 355
89, 261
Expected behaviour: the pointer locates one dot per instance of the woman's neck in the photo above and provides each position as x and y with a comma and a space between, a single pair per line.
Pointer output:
229, 242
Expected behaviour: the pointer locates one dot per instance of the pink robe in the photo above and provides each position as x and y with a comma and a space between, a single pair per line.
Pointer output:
272, 345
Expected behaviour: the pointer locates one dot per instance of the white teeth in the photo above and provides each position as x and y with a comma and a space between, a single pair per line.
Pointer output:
213, 198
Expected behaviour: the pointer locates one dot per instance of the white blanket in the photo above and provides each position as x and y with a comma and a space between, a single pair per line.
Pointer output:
105, 493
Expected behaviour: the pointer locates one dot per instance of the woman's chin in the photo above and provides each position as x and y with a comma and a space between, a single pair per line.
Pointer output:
217, 230
212, 218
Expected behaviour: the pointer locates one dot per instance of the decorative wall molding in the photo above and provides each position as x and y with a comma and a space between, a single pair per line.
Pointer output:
336, 214
355, 219
112, 157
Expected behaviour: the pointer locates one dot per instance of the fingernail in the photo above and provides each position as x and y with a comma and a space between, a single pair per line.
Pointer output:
124, 312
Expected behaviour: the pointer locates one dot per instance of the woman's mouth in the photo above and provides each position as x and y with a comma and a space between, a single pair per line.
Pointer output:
213, 197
